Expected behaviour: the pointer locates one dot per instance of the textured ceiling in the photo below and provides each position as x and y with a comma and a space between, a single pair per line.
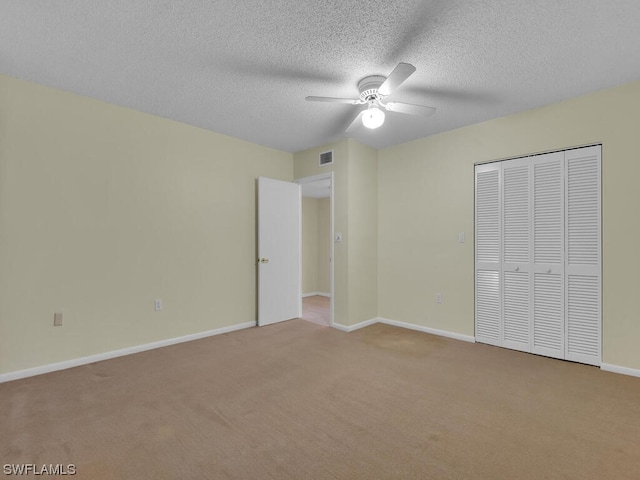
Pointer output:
243, 68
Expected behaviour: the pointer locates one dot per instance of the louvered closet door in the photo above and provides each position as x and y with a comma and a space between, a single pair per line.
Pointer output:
583, 262
488, 236
548, 255
516, 246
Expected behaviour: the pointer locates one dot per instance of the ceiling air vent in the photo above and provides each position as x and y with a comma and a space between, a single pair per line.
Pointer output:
326, 158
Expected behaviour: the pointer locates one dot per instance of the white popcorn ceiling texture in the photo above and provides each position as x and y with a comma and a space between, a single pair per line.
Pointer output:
243, 68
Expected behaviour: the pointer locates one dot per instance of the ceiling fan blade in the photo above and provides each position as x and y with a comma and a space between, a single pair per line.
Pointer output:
395, 78
333, 100
356, 122
411, 109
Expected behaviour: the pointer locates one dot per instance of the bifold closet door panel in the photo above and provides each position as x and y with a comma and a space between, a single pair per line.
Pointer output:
538, 254
488, 239
548, 255
516, 246
583, 262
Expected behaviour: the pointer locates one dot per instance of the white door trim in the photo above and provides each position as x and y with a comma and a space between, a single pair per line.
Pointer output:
311, 179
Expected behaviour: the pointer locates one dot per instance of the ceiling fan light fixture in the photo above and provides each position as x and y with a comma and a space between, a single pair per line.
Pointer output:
373, 117
374, 91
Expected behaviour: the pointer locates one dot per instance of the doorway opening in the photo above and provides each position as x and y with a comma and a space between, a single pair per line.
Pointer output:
317, 248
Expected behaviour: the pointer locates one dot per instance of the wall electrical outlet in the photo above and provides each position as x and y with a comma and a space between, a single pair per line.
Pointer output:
438, 297
157, 304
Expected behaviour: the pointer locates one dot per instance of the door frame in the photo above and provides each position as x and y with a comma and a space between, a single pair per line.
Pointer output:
315, 178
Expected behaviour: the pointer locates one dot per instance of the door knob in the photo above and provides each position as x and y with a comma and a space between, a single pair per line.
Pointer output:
263, 260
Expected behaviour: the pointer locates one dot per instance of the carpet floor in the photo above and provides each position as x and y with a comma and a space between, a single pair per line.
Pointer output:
296, 400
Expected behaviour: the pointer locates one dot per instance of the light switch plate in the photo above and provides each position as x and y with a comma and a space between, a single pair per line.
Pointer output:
57, 319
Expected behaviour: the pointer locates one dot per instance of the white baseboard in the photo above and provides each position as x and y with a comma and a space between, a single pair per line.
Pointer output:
53, 367
314, 294
617, 369
357, 326
433, 331
76, 362
410, 326
466, 338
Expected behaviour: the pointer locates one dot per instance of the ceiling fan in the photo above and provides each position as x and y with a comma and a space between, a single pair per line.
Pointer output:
373, 91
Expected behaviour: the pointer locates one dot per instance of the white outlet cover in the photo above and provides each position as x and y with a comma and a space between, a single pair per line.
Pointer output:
157, 304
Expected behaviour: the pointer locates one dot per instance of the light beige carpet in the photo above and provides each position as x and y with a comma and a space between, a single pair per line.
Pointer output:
300, 401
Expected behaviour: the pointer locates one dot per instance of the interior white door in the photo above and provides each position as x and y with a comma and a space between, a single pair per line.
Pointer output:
583, 261
279, 251
548, 255
488, 235
516, 247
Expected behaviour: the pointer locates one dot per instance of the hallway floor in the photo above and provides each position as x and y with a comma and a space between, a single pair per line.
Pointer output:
317, 309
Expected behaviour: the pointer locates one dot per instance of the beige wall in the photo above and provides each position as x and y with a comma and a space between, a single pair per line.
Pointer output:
426, 197
305, 164
324, 245
102, 210
316, 245
355, 216
363, 232
309, 245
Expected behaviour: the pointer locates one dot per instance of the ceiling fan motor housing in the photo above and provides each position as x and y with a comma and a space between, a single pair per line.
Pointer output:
369, 86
